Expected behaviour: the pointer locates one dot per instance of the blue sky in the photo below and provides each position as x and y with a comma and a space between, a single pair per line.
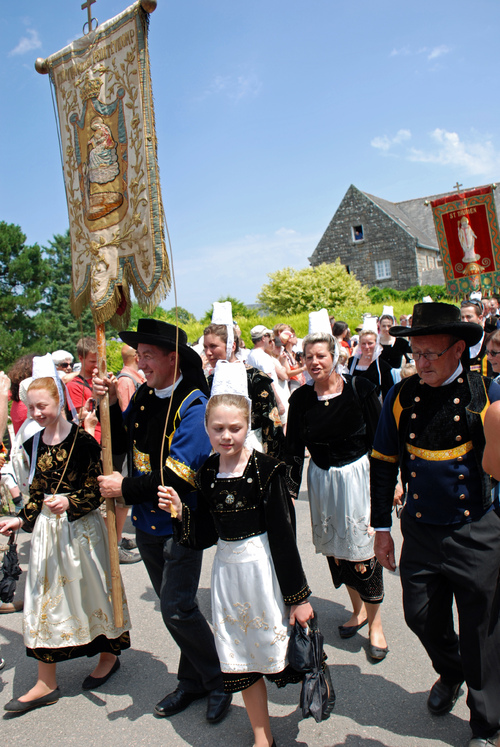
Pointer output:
266, 112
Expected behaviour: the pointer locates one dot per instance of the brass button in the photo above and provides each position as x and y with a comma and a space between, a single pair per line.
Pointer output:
151, 391
136, 425
415, 495
412, 435
412, 456
458, 438
142, 407
460, 381
456, 401
135, 442
456, 418
461, 477
153, 527
421, 382
462, 497
413, 474
466, 513
417, 399
418, 515
413, 416
134, 518
460, 459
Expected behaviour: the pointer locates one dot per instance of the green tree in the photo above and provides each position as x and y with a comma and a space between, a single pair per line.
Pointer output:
327, 285
57, 327
165, 315
23, 276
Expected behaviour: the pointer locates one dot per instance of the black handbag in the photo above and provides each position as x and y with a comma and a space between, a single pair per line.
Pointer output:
305, 654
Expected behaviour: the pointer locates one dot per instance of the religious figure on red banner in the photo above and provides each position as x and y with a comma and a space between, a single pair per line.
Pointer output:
467, 239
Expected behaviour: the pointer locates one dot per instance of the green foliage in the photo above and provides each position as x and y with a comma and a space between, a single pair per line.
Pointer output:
327, 285
57, 327
415, 294
113, 355
23, 275
240, 310
184, 316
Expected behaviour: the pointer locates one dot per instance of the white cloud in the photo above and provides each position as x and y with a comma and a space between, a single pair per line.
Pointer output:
403, 51
238, 268
235, 87
479, 157
27, 43
438, 52
431, 53
385, 143
476, 156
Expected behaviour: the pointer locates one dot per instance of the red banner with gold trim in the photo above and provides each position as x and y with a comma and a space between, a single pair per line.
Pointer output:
468, 237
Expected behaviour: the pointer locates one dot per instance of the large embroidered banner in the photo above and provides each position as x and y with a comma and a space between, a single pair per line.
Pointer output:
105, 106
467, 232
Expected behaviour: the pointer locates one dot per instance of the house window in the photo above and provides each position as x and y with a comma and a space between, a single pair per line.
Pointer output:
357, 233
383, 269
430, 262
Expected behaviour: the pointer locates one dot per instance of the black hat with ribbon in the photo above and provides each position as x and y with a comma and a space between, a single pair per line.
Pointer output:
439, 319
164, 335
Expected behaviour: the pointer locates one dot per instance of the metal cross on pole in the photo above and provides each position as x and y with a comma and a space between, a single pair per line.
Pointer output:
457, 185
86, 5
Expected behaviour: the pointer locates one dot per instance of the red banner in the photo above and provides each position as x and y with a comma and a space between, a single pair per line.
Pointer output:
468, 237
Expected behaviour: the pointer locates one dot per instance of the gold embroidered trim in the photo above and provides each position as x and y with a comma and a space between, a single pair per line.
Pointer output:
181, 470
142, 462
304, 593
440, 456
383, 458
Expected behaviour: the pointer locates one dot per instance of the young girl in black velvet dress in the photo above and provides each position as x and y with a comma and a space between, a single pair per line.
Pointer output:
258, 585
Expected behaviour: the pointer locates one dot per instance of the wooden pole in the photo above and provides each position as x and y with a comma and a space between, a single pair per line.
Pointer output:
107, 466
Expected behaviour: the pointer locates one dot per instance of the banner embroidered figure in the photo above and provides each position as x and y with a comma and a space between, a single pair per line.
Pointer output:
106, 119
468, 236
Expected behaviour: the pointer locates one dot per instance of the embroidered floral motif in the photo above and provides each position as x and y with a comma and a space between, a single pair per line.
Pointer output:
243, 620
142, 462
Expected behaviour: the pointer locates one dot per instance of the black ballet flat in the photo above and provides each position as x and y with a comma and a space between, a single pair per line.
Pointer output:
348, 631
91, 683
19, 706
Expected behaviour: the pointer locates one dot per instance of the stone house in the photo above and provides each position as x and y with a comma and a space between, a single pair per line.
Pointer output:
385, 244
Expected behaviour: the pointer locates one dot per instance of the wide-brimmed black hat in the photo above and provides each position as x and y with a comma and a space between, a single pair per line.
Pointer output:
439, 319
163, 335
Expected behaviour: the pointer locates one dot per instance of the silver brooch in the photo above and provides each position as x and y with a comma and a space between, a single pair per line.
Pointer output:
249, 479
229, 498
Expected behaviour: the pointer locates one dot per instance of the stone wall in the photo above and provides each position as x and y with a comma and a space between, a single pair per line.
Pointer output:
383, 239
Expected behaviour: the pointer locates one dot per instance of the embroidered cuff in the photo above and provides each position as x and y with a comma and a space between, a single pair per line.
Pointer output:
383, 458
181, 470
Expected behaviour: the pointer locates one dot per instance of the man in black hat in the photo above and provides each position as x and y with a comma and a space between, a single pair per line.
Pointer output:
168, 408
431, 428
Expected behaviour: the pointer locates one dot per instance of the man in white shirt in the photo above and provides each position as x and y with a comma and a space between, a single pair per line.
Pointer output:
260, 359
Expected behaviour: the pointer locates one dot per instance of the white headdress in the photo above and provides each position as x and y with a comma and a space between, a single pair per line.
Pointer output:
388, 311
319, 321
231, 378
223, 314
44, 367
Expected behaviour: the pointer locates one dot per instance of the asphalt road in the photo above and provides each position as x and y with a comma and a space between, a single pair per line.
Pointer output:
378, 705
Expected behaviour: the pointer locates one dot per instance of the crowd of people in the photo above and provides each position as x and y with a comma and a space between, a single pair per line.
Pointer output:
210, 443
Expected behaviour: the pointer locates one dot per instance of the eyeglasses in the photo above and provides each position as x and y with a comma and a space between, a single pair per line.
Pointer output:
493, 353
473, 302
430, 356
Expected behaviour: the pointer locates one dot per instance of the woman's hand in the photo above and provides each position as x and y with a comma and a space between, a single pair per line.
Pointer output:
301, 613
57, 503
7, 526
168, 500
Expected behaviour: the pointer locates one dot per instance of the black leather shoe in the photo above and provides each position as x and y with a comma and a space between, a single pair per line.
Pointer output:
347, 631
91, 683
218, 705
18, 706
176, 702
442, 697
493, 741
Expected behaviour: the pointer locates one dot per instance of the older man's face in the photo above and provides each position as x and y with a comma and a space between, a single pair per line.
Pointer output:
435, 373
